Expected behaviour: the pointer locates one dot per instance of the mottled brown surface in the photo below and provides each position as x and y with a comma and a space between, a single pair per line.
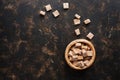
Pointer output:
32, 47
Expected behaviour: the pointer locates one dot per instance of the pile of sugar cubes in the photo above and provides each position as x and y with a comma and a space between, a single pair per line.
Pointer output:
80, 55
76, 19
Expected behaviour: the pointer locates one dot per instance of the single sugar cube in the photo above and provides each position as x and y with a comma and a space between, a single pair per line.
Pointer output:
77, 16
66, 5
75, 57
84, 47
89, 53
70, 58
56, 13
76, 21
77, 32
90, 35
80, 57
86, 62
87, 21
83, 51
88, 48
42, 13
76, 50
78, 44
81, 64
75, 63
48, 7
70, 53
78, 64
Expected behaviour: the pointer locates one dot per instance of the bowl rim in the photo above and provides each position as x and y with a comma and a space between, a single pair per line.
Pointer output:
74, 42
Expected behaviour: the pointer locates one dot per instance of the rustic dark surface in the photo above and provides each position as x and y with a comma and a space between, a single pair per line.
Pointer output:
32, 47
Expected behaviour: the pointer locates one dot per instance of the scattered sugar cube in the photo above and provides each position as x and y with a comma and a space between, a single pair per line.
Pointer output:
90, 35
48, 7
56, 13
78, 44
42, 13
76, 21
66, 5
77, 16
89, 53
77, 32
87, 21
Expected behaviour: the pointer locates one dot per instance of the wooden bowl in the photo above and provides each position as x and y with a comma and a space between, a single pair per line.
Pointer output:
73, 43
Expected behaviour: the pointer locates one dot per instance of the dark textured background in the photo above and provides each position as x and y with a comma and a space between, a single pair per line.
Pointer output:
32, 47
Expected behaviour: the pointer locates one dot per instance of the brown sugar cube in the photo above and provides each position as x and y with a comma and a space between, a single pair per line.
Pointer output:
56, 13
78, 44
76, 21
89, 53
42, 13
75, 63
70, 53
70, 58
80, 52
66, 5
86, 62
87, 21
87, 58
78, 64
84, 47
48, 7
84, 53
88, 48
76, 50
80, 58
77, 32
77, 16
81, 64
74, 57
90, 35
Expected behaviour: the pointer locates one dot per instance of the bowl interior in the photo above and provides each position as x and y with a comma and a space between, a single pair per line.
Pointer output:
73, 43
